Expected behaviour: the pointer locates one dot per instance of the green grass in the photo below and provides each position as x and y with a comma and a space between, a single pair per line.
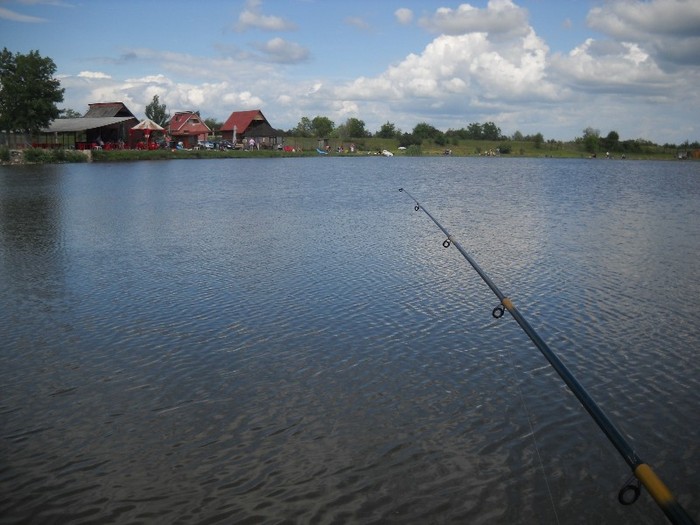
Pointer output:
305, 147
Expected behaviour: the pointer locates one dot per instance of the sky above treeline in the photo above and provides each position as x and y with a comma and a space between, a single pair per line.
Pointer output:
554, 67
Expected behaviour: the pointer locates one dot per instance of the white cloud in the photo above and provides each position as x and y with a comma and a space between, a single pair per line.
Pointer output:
315, 88
605, 66
94, 75
499, 18
667, 29
152, 79
404, 16
465, 65
13, 16
282, 51
252, 18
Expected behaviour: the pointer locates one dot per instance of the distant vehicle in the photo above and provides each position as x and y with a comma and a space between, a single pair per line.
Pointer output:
206, 144
226, 144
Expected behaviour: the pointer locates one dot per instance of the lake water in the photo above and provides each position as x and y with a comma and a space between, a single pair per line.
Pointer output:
287, 341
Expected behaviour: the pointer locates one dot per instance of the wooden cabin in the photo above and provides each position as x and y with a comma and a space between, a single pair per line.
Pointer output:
189, 128
242, 126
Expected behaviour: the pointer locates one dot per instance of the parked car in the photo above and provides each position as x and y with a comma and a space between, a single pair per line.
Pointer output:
206, 144
226, 144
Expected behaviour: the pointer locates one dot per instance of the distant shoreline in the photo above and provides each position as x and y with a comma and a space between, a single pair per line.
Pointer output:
18, 157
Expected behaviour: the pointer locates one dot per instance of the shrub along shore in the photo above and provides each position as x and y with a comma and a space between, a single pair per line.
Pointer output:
305, 147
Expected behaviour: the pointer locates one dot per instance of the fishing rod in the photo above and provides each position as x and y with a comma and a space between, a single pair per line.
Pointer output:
630, 492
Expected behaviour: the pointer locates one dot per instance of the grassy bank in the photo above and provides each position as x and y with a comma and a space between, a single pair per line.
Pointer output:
304, 147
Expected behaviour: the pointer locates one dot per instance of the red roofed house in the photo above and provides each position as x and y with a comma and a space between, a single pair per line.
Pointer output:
188, 127
246, 125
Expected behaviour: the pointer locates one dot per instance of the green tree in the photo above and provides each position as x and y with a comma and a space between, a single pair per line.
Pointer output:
424, 130
304, 128
355, 128
490, 131
387, 131
611, 142
408, 139
213, 124
322, 126
28, 91
69, 113
591, 139
538, 139
157, 112
474, 131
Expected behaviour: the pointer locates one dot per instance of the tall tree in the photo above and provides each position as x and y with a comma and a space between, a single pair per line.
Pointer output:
423, 130
28, 91
490, 131
474, 131
157, 112
213, 124
355, 128
612, 141
323, 126
387, 131
591, 139
304, 128
538, 139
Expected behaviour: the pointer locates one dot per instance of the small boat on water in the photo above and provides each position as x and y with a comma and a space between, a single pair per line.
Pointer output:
321, 152
387, 153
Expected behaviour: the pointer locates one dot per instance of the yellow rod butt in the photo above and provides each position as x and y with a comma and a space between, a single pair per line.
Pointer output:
653, 484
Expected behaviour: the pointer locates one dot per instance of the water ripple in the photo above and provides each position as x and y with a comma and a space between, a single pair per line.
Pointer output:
290, 343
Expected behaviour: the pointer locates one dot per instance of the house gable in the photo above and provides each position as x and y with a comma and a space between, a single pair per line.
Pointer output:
242, 120
108, 109
187, 123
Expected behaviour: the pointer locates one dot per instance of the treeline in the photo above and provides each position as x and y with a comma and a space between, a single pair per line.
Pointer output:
353, 128
323, 127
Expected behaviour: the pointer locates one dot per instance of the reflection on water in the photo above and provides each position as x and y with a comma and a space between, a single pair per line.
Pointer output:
286, 340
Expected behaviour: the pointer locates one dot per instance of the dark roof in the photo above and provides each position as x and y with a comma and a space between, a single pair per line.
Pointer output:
68, 125
242, 120
108, 109
260, 129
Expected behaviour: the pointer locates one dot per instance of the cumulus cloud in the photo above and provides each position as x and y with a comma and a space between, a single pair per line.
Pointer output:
613, 67
252, 18
467, 65
667, 29
404, 16
499, 18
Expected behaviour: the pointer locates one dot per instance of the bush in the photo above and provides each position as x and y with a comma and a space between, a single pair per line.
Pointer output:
36, 155
414, 151
66, 155
407, 139
4, 154
505, 148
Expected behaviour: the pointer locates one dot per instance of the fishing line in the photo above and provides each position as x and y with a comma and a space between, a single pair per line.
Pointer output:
642, 471
532, 433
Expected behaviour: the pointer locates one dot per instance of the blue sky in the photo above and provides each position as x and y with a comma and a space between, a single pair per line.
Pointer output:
553, 67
